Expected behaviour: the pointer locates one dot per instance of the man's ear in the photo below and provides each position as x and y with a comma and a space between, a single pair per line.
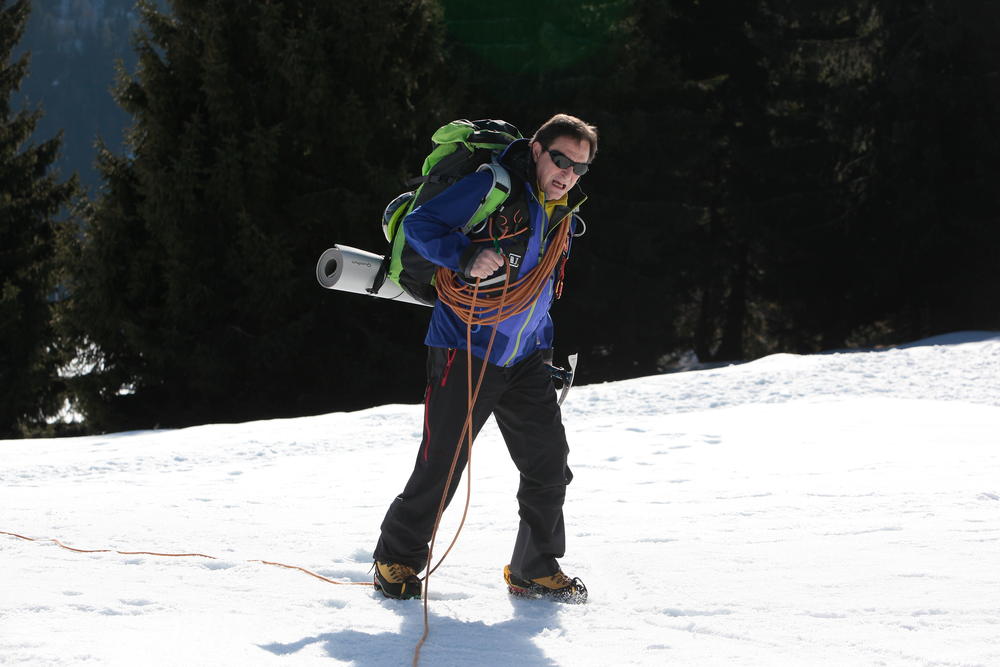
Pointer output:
536, 150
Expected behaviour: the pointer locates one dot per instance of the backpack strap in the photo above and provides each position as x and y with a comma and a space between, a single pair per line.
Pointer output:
494, 197
430, 178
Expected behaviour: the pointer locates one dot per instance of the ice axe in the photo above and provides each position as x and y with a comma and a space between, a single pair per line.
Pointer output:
564, 376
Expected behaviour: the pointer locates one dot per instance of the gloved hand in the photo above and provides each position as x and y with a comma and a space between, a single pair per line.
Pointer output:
560, 376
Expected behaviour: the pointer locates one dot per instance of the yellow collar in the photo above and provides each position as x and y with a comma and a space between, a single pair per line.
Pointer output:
550, 206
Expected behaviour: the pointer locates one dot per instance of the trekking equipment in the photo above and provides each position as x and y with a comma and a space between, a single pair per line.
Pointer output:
351, 270
557, 587
395, 580
562, 377
461, 148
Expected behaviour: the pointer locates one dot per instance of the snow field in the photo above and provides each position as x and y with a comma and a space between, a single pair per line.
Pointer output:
839, 509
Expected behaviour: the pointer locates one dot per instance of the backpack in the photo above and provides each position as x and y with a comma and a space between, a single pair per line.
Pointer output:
461, 148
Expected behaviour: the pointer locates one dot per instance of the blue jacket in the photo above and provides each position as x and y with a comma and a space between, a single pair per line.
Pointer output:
434, 230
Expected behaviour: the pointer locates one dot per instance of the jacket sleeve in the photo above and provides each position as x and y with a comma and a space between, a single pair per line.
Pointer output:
435, 228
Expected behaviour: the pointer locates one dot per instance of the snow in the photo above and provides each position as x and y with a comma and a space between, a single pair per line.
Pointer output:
834, 509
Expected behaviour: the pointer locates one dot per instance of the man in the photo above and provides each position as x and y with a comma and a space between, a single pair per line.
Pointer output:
517, 386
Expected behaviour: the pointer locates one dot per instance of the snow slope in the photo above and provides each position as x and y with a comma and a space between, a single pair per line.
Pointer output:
838, 509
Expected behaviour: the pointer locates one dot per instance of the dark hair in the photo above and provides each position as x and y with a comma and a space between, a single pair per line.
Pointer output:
563, 125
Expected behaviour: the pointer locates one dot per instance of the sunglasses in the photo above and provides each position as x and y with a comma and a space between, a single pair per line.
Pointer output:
561, 161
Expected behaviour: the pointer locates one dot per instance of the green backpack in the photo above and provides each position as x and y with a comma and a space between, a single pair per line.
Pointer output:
461, 148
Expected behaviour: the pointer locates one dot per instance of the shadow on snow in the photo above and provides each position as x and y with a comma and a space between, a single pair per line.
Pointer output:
450, 642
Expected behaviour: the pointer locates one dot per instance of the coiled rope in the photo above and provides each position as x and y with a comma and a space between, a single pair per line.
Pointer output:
493, 304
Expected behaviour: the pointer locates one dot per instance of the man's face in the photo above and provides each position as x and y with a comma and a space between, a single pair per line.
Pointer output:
555, 182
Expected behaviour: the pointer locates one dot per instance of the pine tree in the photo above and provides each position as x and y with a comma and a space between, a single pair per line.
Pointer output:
820, 85
263, 133
647, 209
686, 96
933, 241
754, 126
30, 199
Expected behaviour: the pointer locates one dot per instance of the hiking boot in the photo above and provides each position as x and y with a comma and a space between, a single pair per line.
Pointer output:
557, 587
396, 580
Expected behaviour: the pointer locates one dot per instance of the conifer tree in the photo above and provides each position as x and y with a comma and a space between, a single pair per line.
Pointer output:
30, 199
817, 101
753, 125
262, 134
647, 211
688, 95
933, 239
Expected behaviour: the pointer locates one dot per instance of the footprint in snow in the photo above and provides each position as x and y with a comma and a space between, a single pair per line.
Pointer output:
218, 565
669, 611
361, 555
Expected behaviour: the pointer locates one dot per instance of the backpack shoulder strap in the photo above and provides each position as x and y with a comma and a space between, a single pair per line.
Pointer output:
494, 197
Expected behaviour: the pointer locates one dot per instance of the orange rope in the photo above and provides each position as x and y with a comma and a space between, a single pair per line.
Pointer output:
477, 306
494, 304
195, 555
313, 574
466, 435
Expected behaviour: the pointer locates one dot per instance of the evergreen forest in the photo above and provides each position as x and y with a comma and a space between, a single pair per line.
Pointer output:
773, 176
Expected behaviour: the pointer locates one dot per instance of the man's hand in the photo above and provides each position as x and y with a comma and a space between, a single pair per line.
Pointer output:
486, 264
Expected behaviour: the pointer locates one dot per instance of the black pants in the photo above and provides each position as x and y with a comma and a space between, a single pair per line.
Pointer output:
523, 400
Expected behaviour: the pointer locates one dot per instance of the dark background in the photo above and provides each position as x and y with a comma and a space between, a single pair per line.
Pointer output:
772, 177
